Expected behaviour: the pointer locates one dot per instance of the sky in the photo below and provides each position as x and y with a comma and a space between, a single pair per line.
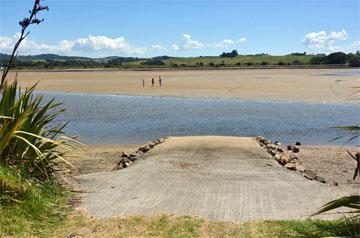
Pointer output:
140, 28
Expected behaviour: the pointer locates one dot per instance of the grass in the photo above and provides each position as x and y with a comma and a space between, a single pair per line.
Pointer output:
29, 209
243, 60
77, 225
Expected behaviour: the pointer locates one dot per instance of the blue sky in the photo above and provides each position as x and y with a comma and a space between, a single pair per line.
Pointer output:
184, 28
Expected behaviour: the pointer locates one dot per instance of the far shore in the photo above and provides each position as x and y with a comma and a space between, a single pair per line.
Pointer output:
307, 85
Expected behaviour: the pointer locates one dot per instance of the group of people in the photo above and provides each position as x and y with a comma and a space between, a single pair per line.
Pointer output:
152, 82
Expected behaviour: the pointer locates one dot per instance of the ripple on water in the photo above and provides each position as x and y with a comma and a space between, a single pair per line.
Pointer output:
105, 119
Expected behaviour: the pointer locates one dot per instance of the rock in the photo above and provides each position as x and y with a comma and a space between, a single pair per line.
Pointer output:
161, 140
293, 158
290, 147
291, 166
279, 150
334, 183
300, 168
271, 146
320, 179
309, 174
284, 159
262, 141
298, 143
277, 157
117, 167
123, 155
277, 143
133, 158
270, 151
295, 149
144, 149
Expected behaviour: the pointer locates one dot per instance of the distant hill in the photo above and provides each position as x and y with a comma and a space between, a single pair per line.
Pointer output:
230, 59
54, 57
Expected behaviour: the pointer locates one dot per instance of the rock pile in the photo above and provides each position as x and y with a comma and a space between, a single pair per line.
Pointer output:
287, 157
127, 159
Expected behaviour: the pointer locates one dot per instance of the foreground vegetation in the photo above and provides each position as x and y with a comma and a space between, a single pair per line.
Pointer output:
76, 225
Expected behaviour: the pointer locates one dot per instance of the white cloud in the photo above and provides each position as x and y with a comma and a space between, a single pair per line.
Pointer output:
353, 47
175, 47
88, 46
157, 47
224, 44
323, 41
241, 40
189, 43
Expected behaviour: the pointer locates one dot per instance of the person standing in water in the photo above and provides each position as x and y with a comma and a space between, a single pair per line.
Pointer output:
152, 82
160, 81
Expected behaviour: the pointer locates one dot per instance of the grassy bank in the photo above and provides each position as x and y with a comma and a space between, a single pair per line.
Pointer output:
29, 209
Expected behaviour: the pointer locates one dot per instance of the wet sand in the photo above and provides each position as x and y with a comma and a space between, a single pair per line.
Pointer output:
310, 85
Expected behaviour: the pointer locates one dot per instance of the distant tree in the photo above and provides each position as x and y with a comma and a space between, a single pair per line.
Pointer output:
336, 58
354, 61
318, 60
231, 54
153, 62
296, 62
298, 54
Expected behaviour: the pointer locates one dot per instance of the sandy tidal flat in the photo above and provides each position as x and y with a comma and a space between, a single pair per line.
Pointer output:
310, 85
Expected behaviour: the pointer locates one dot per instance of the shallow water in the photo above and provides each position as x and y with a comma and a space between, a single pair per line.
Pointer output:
107, 119
346, 73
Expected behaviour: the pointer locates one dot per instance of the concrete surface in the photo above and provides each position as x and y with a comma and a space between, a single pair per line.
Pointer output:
216, 178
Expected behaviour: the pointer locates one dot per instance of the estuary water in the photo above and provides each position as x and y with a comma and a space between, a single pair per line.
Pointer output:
114, 119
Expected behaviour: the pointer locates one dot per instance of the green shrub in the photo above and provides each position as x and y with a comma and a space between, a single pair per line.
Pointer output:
29, 141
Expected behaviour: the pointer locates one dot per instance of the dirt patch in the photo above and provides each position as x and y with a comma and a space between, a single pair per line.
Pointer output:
331, 162
183, 165
98, 158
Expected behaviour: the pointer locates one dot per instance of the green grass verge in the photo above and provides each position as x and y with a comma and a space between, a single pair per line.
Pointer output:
54, 225
30, 209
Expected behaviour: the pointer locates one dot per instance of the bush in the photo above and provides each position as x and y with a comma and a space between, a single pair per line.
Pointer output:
281, 63
296, 62
249, 63
27, 139
264, 63
153, 62
238, 63
211, 64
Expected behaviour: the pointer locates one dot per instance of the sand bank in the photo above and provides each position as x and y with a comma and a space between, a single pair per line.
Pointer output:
311, 85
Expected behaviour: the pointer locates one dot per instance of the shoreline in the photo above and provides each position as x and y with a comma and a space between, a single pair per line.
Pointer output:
247, 100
